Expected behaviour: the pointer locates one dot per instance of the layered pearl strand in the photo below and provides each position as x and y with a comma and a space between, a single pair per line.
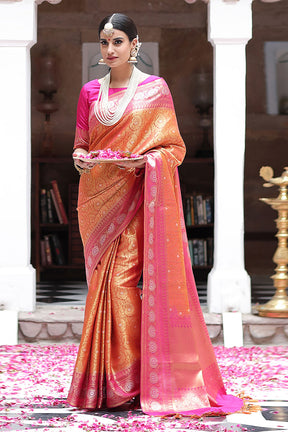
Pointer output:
106, 115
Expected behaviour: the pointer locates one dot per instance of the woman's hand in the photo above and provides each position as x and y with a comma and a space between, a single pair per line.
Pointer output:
81, 165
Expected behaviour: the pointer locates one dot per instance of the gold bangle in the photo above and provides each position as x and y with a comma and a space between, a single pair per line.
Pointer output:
78, 168
81, 170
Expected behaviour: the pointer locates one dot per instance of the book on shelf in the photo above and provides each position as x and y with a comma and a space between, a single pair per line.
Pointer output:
201, 251
59, 201
209, 209
51, 205
195, 249
193, 205
188, 212
56, 206
48, 252
43, 253
51, 250
57, 251
210, 250
198, 210
43, 206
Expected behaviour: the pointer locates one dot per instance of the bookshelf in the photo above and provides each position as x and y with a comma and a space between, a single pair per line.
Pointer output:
197, 187
51, 228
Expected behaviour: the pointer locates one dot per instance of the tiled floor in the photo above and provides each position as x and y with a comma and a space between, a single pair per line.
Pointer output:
273, 417
75, 292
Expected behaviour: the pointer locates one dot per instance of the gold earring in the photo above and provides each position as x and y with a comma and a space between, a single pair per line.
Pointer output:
101, 62
132, 59
133, 55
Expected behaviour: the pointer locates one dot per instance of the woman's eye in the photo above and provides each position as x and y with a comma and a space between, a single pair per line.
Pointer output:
103, 42
118, 42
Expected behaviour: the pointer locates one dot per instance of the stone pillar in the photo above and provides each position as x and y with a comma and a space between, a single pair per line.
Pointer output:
17, 35
18, 29
229, 29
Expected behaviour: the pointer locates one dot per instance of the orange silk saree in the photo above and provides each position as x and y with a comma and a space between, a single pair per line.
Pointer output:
128, 221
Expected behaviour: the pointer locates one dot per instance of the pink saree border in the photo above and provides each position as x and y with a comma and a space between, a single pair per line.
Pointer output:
179, 372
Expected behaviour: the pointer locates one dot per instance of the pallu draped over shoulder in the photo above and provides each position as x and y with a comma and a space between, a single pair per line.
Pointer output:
173, 366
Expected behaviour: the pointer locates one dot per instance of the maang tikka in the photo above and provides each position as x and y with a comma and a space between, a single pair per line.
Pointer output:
108, 30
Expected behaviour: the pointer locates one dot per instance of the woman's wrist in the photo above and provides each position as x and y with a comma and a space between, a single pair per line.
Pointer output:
80, 169
78, 152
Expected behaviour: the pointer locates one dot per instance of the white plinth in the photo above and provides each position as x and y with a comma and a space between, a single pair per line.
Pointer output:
8, 327
229, 291
18, 288
232, 329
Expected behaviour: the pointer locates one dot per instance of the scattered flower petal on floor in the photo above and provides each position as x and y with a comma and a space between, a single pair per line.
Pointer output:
37, 376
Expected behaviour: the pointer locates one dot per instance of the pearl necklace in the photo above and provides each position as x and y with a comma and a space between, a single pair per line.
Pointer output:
103, 112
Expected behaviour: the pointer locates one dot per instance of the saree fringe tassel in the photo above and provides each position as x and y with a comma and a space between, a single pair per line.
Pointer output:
249, 406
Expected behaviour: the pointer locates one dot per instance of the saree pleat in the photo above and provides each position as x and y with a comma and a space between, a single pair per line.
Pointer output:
107, 371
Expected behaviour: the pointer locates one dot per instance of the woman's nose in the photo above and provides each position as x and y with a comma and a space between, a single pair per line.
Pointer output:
110, 47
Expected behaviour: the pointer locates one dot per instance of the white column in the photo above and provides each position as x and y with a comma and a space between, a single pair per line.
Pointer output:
17, 35
230, 28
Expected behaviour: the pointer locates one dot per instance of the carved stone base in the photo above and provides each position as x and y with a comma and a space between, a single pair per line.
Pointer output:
63, 324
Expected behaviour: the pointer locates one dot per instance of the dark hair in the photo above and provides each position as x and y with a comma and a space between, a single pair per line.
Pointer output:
120, 22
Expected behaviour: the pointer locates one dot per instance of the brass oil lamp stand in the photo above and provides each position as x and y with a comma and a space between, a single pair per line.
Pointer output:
278, 305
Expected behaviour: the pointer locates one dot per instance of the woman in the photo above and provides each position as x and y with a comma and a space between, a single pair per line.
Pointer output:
130, 219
